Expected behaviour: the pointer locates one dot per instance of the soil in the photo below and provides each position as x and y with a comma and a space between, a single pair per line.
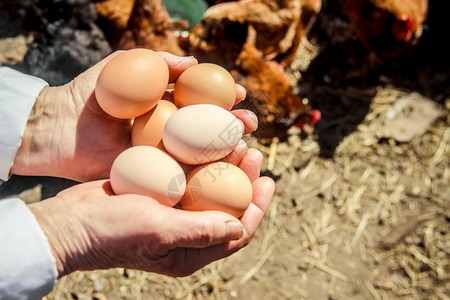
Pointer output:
359, 212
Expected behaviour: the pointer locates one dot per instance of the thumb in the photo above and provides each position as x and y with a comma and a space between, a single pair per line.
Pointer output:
177, 64
204, 229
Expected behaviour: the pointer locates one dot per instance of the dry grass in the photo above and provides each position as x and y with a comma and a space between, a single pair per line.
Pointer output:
371, 223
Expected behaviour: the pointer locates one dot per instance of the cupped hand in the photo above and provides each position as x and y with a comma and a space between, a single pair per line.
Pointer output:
69, 136
88, 227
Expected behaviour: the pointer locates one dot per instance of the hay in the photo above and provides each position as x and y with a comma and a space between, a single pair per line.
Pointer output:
371, 222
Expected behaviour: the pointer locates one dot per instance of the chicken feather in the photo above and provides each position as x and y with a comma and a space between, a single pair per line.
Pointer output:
387, 28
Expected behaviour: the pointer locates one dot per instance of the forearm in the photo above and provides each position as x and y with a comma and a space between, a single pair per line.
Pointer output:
37, 154
18, 93
64, 233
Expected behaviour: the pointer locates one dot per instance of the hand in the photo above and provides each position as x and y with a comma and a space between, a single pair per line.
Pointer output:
90, 228
68, 135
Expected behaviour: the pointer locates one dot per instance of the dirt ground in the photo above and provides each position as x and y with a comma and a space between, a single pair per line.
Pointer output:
361, 209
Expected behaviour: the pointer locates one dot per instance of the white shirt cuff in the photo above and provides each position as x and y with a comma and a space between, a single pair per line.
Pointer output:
27, 266
18, 93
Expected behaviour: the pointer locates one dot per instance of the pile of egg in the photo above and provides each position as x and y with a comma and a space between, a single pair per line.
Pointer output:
176, 147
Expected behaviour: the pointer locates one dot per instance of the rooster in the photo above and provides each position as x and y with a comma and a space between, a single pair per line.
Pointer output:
387, 28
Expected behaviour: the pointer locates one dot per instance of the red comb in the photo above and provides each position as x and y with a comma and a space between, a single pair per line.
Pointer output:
315, 116
409, 23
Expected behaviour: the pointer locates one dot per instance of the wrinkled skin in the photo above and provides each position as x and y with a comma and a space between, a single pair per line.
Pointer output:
90, 228
68, 135
87, 226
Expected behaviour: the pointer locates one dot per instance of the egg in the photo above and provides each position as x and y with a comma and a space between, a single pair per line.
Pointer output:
148, 128
148, 171
205, 84
132, 83
217, 186
201, 133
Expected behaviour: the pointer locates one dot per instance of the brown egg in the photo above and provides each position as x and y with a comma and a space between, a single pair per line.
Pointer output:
148, 171
205, 84
131, 83
217, 186
148, 128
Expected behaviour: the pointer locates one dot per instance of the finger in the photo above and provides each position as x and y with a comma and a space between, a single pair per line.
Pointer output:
251, 163
241, 93
263, 190
248, 118
195, 259
97, 187
238, 153
192, 229
177, 64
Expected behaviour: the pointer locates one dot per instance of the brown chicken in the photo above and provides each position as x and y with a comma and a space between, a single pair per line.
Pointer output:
150, 26
140, 23
113, 17
255, 39
280, 27
269, 93
387, 27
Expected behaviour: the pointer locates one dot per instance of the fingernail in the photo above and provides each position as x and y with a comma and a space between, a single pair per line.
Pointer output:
192, 58
252, 116
241, 146
235, 230
242, 90
242, 125
239, 152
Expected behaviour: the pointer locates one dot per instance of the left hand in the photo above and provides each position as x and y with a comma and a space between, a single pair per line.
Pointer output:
104, 230
68, 135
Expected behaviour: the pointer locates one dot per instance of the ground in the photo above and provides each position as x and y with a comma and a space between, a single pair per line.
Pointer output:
361, 209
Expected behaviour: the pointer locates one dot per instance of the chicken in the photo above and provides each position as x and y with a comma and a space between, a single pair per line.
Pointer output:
113, 17
387, 27
223, 28
269, 93
255, 40
148, 25
310, 10
281, 25
278, 24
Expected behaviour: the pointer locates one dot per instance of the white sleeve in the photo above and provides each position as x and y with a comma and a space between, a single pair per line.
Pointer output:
18, 92
27, 266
